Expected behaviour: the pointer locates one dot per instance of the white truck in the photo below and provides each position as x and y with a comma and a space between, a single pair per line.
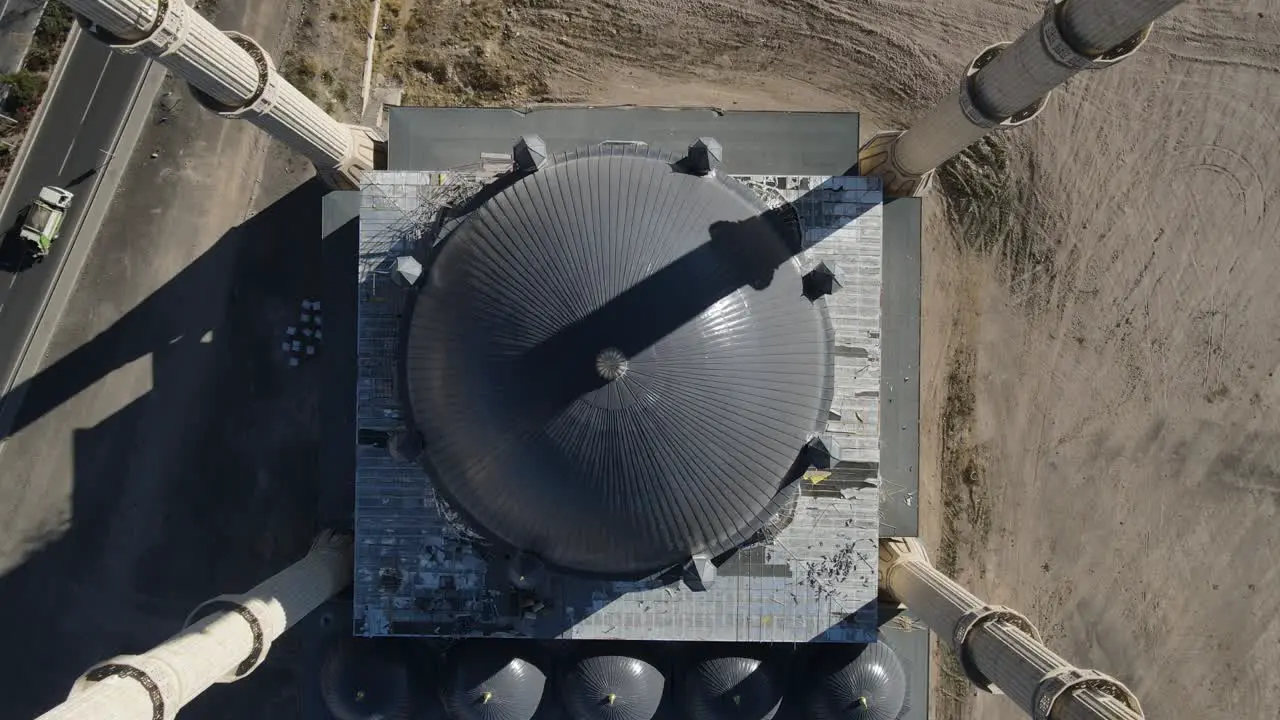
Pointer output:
43, 219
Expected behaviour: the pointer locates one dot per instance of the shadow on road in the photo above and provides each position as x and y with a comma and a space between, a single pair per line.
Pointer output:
80, 178
206, 484
15, 253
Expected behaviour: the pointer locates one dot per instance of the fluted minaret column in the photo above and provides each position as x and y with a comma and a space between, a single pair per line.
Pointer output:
999, 649
1008, 84
233, 76
224, 639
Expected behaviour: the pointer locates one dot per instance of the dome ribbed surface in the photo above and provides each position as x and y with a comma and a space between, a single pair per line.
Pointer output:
870, 685
491, 684
731, 688
613, 363
360, 681
612, 687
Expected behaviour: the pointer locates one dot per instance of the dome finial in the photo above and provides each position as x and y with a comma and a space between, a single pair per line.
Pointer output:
611, 364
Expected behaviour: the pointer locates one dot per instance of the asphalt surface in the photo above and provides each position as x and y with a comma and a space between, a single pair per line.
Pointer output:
85, 112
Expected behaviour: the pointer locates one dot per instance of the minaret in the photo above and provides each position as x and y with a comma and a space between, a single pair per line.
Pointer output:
999, 649
225, 639
1008, 84
232, 75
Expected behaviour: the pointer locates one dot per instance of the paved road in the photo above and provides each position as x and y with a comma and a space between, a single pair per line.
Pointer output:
85, 113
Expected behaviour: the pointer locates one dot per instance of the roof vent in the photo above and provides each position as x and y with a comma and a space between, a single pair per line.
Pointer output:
530, 153
407, 270
821, 281
824, 452
700, 572
705, 156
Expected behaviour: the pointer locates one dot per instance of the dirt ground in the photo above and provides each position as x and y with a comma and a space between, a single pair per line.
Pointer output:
1101, 416
1125, 350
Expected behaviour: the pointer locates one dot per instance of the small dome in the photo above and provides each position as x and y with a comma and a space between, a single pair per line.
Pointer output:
731, 688
868, 684
361, 680
612, 687
491, 683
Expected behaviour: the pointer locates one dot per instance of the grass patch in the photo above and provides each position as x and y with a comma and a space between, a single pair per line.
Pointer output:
992, 208
966, 508
355, 15
25, 90
475, 78
982, 197
966, 521
46, 44
465, 54
326, 59
952, 693
302, 72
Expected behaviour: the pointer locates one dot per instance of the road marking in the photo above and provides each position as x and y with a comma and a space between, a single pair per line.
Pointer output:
88, 104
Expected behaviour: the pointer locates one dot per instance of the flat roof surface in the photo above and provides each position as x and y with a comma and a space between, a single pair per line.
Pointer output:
785, 143
340, 240
900, 378
417, 571
910, 640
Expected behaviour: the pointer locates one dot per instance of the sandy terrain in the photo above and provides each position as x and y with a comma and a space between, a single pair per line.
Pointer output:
1127, 405
1102, 414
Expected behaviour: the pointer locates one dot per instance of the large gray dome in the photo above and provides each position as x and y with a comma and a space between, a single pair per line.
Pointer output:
868, 684
613, 363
